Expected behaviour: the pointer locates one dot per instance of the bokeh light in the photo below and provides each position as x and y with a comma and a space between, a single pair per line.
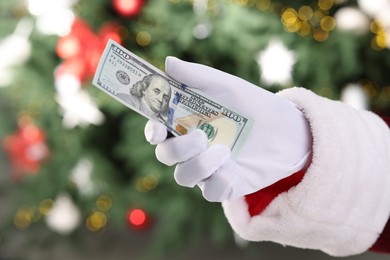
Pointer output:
143, 38
104, 203
137, 217
96, 221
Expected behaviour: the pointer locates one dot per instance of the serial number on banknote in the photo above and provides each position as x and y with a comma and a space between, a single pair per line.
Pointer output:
150, 92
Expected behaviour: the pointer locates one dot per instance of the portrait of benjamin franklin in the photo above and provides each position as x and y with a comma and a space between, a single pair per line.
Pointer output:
150, 96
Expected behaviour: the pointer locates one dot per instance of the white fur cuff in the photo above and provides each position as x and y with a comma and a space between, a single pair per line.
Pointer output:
343, 202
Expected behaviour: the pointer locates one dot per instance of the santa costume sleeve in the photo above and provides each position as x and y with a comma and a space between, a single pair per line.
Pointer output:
340, 203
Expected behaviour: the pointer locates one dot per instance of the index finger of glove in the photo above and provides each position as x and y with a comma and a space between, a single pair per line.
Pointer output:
182, 148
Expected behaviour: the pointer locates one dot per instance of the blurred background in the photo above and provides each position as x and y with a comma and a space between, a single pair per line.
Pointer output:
78, 180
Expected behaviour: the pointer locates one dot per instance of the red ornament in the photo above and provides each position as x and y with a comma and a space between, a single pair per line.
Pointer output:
26, 149
128, 8
81, 48
109, 31
138, 219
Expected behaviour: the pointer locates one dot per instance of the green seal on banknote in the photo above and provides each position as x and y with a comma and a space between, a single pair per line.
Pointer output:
210, 131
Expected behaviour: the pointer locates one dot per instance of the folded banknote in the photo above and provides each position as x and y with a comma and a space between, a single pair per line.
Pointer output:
150, 92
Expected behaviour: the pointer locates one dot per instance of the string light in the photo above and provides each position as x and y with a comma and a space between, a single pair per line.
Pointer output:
305, 13
328, 23
147, 183
128, 8
263, 5
137, 218
379, 42
143, 38
352, 19
320, 35
23, 218
45, 206
64, 216
104, 203
305, 29
276, 63
96, 221
325, 4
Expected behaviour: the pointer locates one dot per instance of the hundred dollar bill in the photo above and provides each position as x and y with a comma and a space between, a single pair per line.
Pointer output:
150, 92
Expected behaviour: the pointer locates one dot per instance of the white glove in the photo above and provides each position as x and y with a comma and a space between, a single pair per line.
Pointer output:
277, 146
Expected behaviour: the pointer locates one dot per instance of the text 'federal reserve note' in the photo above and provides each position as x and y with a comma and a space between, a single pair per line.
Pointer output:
150, 92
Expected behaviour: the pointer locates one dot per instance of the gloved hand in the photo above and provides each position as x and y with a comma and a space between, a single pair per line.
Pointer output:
277, 146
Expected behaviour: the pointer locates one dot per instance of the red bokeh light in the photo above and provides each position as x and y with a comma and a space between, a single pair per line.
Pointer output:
137, 217
128, 8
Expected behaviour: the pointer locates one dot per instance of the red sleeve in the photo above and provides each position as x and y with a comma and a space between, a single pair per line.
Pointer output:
382, 245
259, 200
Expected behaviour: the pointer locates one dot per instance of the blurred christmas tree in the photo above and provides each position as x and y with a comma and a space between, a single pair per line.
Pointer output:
78, 158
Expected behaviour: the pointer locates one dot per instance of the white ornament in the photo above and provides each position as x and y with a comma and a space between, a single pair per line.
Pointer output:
15, 50
202, 30
64, 216
354, 95
53, 17
81, 177
380, 11
353, 20
373, 7
76, 105
276, 63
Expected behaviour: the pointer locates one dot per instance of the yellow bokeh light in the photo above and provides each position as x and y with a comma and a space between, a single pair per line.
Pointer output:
241, 2
289, 16
376, 27
23, 218
328, 23
305, 29
325, 4
212, 5
293, 27
143, 38
369, 88
96, 221
320, 35
150, 182
104, 202
147, 183
379, 42
318, 15
305, 13
263, 5
45, 206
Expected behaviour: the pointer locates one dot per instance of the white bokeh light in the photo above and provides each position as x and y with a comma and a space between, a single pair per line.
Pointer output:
76, 105
15, 49
81, 176
380, 11
53, 17
64, 216
353, 20
276, 63
354, 95
373, 7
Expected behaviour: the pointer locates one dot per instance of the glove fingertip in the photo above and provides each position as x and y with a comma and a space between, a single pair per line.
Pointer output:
155, 132
169, 63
